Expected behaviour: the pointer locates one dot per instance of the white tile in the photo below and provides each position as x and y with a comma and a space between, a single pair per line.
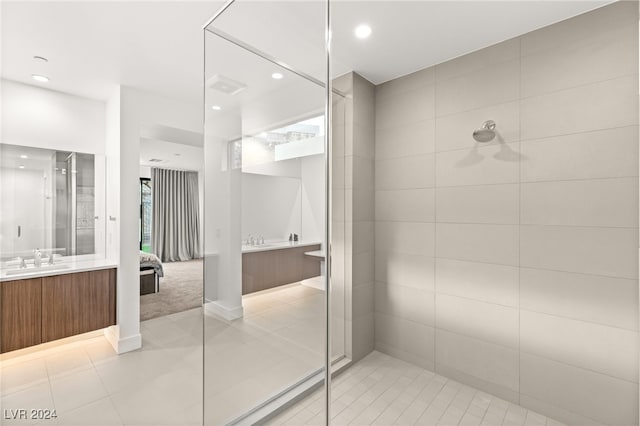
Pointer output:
409, 340
607, 55
22, 375
608, 104
478, 204
409, 205
603, 23
480, 243
363, 336
405, 173
405, 140
405, 107
405, 302
598, 154
77, 389
363, 237
98, 413
601, 202
594, 298
600, 348
364, 98
363, 300
363, 268
475, 61
409, 270
493, 84
68, 361
37, 396
478, 165
488, 362
603, 251
555, 413
593, 395
455, 131
405, 237
364, 141
483, 321
482, 281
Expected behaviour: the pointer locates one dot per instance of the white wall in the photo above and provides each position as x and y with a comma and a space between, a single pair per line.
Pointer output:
271, 206
42, 118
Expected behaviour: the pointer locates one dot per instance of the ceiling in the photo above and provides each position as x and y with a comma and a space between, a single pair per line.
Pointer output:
158, 45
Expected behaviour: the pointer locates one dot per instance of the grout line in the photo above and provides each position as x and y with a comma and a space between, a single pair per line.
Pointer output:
519, 222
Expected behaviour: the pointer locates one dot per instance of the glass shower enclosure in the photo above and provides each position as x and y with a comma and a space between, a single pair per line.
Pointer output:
274, 235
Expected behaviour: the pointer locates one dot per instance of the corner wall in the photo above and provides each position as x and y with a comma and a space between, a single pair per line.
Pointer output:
512, 266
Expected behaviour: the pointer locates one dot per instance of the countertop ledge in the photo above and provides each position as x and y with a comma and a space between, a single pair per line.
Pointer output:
72, 268
278, 246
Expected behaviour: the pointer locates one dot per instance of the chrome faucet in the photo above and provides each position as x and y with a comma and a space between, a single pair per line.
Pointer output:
50, 259
37, 258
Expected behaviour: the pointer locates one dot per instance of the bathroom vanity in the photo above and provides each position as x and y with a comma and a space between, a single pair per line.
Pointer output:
272, 265
41, 307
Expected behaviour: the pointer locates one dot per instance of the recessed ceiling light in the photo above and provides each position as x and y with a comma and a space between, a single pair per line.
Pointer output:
362, 31
23, 156
277, 76
21, 166
40, 78
216, 107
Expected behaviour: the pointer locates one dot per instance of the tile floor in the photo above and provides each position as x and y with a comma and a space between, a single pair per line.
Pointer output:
247, 361
381, 390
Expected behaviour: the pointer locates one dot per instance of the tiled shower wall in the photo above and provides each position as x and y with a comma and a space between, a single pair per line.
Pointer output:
512, 266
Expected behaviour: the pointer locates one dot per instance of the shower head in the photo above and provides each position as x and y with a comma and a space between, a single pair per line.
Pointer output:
486, 133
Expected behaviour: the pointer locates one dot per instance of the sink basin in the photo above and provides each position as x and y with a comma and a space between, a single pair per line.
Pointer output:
33, 269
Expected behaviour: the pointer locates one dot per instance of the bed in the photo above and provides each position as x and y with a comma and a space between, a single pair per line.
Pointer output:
150, 273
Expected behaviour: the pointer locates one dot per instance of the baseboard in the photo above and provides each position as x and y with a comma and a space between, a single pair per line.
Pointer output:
228, 313
122, 345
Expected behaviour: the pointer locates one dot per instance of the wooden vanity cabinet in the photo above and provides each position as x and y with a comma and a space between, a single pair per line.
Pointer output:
266, 269
43, 309
20, 302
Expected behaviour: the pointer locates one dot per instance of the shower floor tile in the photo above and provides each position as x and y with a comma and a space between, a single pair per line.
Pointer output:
382, 390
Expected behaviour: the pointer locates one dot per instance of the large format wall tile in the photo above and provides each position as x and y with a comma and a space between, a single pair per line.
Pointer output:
607, 350
595, 298
484, 321
408, 205
405, 84
405, 237
491, 363
482, 281
598, 396
406, 140
408, 340
601, 251
479, 243
405, 173
602, 202
603, 56
494, 84
478, 165
599, 154
410, 270
406, 107
478, 204
611, 103
410, 303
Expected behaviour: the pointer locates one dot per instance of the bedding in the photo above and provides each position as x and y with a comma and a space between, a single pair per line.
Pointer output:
150, 260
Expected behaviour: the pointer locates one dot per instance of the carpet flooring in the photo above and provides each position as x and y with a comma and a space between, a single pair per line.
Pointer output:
180, 290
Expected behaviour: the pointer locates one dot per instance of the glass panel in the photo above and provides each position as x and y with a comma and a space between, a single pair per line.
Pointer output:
145, 215
265, 218
50, 204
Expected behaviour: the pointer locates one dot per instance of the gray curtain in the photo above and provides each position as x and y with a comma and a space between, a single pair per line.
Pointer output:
175, 234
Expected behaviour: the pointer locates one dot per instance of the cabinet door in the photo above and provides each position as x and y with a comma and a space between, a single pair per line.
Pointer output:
77, 303
21, 320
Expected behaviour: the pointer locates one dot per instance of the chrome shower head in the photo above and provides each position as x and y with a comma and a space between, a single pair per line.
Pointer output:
486, 133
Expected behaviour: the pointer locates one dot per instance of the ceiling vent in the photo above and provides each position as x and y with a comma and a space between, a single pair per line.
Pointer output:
225, 85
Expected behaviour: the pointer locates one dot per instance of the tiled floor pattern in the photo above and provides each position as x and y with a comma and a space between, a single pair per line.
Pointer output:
161, 384
381, 390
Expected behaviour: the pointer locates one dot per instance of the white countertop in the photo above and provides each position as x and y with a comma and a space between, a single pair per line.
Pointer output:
61, 267
267, 246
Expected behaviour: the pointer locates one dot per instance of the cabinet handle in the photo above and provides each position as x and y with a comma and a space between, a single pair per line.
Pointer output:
19, 231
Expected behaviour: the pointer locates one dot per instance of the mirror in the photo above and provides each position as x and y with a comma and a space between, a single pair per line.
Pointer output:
49, 202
